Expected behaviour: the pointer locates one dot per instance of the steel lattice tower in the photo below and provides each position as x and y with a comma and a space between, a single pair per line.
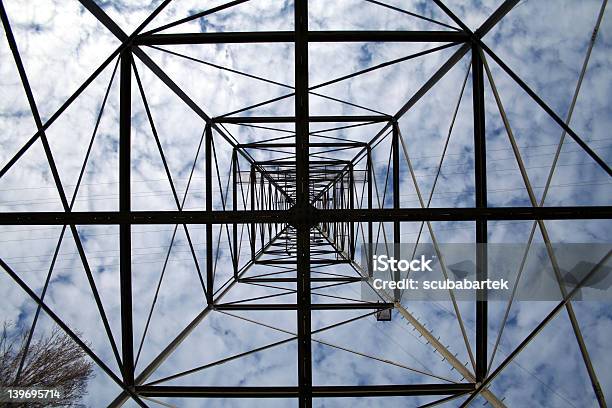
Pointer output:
305, 208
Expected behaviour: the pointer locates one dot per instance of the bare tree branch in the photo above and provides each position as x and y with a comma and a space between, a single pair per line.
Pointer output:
52, 361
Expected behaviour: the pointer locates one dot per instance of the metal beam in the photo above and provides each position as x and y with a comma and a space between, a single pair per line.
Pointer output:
319, 215
496, 17
294, 306
125, 230
430, 338
315, 279
209, 208
549, 317
236, 253
293, 392
302, 193
312, 36
396, 202
292, 145
480, 187
127, 391
305, 182
169, 349
312, 119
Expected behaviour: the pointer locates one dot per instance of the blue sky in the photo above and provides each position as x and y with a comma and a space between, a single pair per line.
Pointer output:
61, 44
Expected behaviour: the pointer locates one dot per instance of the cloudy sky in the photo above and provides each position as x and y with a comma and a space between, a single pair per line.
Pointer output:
61, 44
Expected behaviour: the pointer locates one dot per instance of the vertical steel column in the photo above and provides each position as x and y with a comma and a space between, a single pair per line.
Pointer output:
342, 225
252, 187
270, 207
396, 203
262, 206
209, 207
337, 205
125, 229
325, 206
352, 206
480, 185
370, 202
277, 206
302, 203
235, 258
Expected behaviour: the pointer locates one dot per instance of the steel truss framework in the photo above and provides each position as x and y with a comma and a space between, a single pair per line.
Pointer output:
303, 210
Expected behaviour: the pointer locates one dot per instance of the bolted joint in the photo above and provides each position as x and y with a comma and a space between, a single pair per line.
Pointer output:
306, 216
